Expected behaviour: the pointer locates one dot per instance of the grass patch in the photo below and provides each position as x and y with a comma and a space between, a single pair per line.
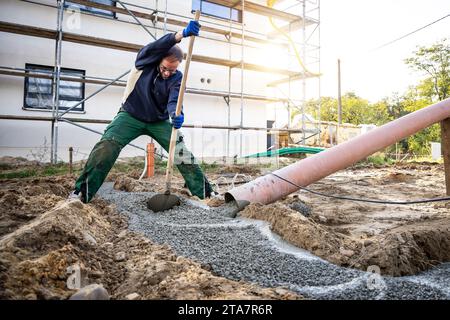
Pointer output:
208, 167
379, 159
18, 174
126, 167
43, 170
133, 164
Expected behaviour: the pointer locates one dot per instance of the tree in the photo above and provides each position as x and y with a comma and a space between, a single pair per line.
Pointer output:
415, 99
435, 62
379, 114
399, 105
328, 108
355, 110
395, 106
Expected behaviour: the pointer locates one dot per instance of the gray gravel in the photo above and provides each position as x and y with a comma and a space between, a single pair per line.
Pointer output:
243, 249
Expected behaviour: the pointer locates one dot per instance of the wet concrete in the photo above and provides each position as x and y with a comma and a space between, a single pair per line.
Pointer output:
243, 249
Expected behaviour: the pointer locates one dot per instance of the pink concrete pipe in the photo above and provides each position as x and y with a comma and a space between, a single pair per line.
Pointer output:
269, 188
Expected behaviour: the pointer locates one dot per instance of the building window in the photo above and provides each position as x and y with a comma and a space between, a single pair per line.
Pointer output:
217, 10
94, 10
38, 93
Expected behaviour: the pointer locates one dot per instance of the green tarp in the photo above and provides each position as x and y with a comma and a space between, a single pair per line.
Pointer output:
286, 151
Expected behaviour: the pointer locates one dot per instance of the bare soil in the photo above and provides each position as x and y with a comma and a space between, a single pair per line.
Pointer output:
401, 240
43, 234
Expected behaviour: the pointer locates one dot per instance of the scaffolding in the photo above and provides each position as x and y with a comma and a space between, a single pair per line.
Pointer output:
297, 15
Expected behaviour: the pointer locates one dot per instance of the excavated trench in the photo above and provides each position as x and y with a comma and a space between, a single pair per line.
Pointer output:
247, 249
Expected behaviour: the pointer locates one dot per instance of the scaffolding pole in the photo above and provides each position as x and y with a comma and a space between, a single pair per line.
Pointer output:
56, 84
303, 78
242, 74
60, 36
165, 16
289, 91
320, 82
228, 99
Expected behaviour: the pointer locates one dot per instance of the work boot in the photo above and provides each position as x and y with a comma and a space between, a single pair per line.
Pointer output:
211, 194
76, 195
209, 191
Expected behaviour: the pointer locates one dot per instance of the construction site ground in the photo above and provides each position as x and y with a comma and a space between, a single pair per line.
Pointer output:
303, 246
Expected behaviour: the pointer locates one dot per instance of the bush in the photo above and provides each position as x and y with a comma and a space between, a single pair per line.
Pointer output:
379, 159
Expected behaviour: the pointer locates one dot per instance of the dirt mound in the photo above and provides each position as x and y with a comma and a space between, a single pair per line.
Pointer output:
422, 166
405, 250
409, 249
301, 231
35, 259
22, 200
8, 162
215, 202
134, 174
247, 169
410, 165
395, 177
123, 182
36, 256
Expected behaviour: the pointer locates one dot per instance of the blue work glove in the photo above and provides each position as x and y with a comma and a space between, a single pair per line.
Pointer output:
192, 29
177, 121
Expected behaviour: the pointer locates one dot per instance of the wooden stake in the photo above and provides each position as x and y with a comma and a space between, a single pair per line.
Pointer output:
70, 160
445, 143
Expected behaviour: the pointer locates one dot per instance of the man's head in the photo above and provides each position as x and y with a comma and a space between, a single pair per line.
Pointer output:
170, 62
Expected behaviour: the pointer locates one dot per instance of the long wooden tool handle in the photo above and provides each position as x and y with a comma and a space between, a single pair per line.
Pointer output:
173, 137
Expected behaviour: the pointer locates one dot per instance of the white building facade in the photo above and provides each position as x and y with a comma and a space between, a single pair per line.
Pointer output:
23, 49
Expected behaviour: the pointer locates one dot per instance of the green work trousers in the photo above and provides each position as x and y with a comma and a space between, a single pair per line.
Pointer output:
121, 131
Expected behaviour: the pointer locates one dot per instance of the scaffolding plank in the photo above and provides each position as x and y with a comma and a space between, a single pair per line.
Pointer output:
290, 27
126, 46
259, 9
123, 84
237, 95
247, 66
40, 118
101, 121
153, 17
63, 78
297, 76
82, 39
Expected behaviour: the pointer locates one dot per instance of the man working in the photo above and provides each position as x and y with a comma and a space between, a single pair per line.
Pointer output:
148, 107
